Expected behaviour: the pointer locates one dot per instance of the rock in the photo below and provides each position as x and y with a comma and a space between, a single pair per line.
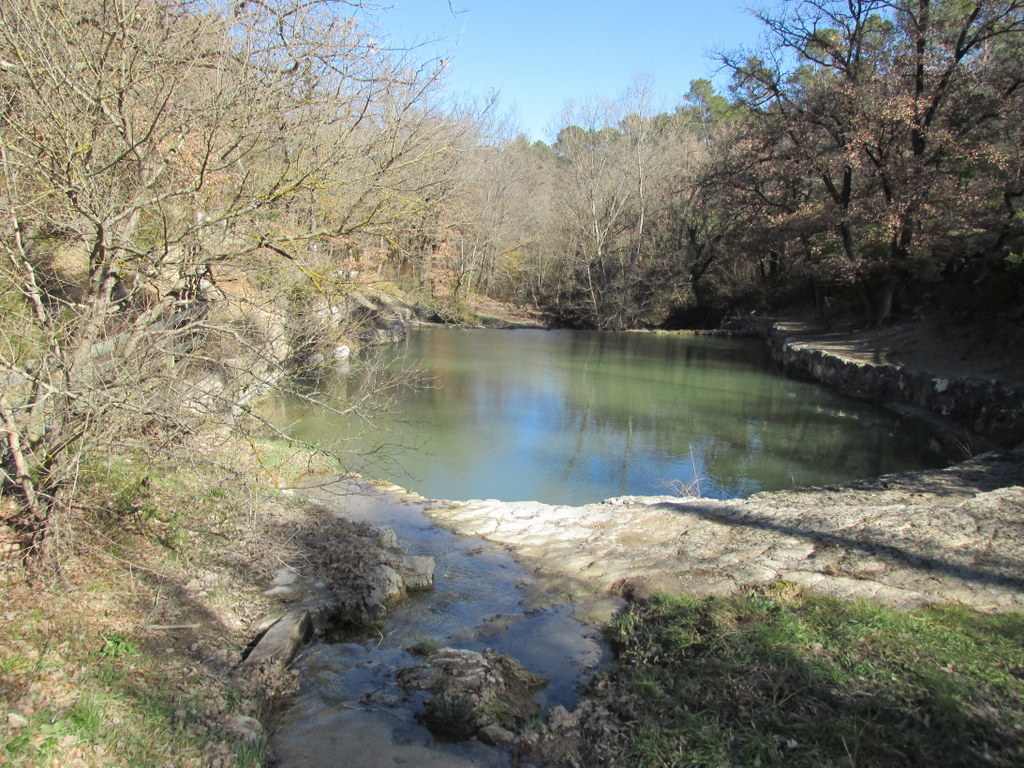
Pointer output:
282, 641
905, 539
971, 410
283, 593
285, 577
417, 572
14, 720
266, 622
386, 537
474, 691
386, 583
495, 735
323, 612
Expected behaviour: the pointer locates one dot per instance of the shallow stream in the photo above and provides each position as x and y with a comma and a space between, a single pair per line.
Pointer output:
351, 712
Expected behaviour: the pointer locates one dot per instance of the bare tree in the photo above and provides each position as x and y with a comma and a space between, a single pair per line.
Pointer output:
170, 174
621, 166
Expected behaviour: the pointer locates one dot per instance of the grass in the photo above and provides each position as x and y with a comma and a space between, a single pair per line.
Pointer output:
89, 698
127, 660
774, 678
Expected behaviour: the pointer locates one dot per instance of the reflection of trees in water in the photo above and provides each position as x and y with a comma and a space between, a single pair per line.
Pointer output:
626, 411
738, 419
575, 456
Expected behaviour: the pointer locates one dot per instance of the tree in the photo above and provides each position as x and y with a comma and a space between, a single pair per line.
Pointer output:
168, 172
887, 108
619, 164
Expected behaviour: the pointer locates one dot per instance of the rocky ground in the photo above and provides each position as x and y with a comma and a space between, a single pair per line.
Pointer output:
953, 535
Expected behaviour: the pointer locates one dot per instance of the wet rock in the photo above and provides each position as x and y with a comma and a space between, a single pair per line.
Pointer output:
351, 572
385, 583
495, 735
906, 540
385, 537
417, 572
472, 692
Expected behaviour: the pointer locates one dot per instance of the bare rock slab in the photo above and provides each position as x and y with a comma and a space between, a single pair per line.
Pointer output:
282, 641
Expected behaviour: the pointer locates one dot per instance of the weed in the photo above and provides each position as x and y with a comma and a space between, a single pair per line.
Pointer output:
448, 718
116, 645
424, 647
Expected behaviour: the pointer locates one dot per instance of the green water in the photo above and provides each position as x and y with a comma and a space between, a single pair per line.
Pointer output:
571, 417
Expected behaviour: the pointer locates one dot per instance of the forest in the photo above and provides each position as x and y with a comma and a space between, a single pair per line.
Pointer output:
868, 148
190, 187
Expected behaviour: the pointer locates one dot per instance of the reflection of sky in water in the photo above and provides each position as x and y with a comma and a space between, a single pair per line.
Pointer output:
574, 417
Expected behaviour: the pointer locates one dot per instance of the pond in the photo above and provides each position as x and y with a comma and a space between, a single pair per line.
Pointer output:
560, 417
572, 417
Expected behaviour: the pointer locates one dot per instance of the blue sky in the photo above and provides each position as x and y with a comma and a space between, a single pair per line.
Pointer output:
537, 54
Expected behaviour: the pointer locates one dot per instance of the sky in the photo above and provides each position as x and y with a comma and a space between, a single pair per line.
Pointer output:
539, 54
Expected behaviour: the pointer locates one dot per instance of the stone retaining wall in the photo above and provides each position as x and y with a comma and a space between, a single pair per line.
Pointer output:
989, 409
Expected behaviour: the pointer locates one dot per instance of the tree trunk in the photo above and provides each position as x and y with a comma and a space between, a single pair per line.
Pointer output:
878, 300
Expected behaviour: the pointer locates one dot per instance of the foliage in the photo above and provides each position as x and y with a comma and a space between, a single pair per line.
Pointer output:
885, 132
864, 148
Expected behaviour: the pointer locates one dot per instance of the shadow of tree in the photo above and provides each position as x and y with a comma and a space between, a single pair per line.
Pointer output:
997, 568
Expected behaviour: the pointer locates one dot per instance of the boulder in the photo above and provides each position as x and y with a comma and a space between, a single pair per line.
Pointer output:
486, 694
282, 641
417, 572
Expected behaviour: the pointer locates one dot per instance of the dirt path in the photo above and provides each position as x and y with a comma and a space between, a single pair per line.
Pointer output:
931, 345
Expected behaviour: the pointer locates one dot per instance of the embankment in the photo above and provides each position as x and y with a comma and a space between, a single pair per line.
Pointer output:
981, 413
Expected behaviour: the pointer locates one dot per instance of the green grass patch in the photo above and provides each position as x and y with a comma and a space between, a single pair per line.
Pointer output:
123, 714
774, 678
87, 676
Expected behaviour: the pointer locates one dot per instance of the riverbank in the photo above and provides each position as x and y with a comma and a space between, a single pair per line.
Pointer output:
132, 656
173, 597
950, 535
962, 383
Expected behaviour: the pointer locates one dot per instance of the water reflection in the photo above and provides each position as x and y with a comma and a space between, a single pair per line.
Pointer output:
575, 417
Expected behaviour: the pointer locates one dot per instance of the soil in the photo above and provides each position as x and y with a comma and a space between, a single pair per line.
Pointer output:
498, 314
